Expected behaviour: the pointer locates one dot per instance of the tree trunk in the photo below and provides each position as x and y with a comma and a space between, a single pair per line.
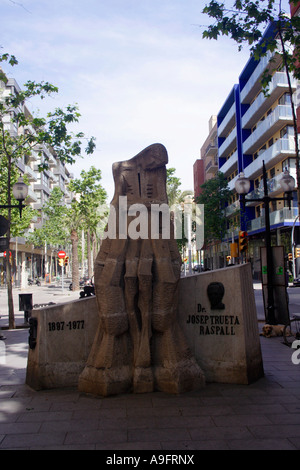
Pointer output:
75, 261
89, 253
11, 313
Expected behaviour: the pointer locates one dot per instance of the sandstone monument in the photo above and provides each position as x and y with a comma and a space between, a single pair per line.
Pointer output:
139, 345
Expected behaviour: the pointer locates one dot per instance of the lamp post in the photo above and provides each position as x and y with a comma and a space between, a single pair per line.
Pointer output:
242, 187
20, 192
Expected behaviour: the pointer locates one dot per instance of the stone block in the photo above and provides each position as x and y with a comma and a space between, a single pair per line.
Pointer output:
65, 333
222, 332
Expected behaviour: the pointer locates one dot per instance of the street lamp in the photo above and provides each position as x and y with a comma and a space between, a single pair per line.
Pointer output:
20, 192
242, 187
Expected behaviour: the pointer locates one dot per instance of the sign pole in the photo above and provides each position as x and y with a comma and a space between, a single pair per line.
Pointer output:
62, 254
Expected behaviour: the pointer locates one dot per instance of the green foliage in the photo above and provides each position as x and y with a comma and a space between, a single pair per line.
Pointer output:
245, 21
215, 194
51, 130
173, 184
90, 194
54, 230
18, 225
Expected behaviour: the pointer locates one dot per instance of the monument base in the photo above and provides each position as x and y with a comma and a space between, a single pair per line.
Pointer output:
223, 336
223, 341
61, 343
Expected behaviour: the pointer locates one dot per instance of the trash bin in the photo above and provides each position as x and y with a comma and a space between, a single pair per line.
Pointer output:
25, 304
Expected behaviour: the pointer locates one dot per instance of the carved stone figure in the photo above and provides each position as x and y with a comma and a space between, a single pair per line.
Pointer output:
139, 346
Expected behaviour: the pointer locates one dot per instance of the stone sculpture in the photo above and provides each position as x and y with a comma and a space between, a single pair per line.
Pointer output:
139, 345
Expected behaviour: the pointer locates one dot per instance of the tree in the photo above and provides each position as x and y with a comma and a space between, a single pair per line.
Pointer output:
215, 194
16, 225
74, 222
90, 194
21, 133
53, 231
173, 184
244, 22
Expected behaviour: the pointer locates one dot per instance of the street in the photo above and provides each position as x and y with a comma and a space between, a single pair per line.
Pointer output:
40, 295
54, 293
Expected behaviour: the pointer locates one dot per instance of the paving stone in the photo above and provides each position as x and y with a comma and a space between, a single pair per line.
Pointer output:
264, 415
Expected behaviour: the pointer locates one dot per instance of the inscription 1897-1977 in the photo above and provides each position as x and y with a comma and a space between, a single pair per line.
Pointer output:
61, 325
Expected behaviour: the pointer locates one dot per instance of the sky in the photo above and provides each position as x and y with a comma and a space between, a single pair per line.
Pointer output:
139, 71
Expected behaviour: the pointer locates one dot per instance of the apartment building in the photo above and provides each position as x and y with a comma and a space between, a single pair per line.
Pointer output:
295, 11
253, 128
28, 261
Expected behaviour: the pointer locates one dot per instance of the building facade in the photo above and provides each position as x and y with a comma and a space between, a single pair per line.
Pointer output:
28, 261
253, 128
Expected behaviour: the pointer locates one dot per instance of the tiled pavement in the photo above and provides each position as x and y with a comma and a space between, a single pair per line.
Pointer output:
264, 415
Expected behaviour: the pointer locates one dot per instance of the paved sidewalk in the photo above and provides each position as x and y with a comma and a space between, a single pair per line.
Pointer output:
40, 295
264, 415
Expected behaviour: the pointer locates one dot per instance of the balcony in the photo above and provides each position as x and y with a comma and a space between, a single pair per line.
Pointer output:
282, 148
229, 165
278, 86
227, 123
281, 116
274, 188
31, 196
211, 150
231, 184
59, 170
232, 208
30, 173
229, 144
253, 85
212, 166
33, 157
280, 217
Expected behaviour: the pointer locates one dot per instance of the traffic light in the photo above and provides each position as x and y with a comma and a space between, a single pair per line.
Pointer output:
297, 252
243, 241
290, 255
66, 261
61, 262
